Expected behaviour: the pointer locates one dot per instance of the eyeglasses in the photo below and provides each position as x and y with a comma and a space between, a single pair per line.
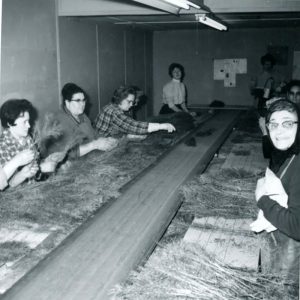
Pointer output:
294, 94
79, 100
286, 124
132, 102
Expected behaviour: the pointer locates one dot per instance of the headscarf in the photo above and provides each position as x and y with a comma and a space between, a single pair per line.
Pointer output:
278, 157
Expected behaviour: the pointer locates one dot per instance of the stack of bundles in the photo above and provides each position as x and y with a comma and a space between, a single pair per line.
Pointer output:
185, 271
248, 123
229, 193
181, 120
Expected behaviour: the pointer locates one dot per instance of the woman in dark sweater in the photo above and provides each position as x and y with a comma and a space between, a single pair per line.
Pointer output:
283, 130
269, 151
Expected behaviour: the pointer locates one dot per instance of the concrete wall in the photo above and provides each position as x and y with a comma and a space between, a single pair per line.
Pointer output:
97, 57
124, 58
78, 58
101, 57
196, 50
28, 53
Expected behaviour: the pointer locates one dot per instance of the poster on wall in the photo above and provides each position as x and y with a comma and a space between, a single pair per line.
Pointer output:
226, 70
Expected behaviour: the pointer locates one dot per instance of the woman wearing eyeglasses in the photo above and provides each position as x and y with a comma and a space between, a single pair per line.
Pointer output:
78, 136
283, 130
113, 121
269, 151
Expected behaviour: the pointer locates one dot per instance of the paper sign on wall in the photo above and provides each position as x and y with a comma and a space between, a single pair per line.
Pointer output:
226, 69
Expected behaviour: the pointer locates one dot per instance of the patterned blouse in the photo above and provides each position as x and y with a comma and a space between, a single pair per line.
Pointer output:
10, 146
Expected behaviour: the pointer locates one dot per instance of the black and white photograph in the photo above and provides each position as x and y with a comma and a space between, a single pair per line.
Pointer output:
149, 149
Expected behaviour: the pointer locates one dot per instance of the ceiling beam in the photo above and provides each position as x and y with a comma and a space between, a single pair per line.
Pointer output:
104, 8
233, 6
161, 5
110, 8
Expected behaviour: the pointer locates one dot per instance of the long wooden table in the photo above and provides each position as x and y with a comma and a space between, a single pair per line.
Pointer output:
102, 251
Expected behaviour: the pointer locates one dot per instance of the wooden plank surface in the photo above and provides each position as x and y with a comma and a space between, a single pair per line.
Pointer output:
229, 240
248, 157
103, 250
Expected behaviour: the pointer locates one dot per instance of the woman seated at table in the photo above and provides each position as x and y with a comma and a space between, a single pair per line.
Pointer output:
282, 121
174, 92
78, 136
21, 159
18, 153
113, 121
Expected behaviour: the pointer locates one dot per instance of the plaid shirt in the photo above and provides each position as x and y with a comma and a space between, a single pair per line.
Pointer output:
10, 146
112, 121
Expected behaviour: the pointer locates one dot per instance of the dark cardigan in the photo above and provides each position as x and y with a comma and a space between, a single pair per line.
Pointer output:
287, 220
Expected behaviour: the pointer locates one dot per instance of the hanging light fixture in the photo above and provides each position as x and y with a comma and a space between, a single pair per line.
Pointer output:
172, 6
204, 19
182, 3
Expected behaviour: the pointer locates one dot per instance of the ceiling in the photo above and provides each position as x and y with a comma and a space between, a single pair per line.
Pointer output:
233, 13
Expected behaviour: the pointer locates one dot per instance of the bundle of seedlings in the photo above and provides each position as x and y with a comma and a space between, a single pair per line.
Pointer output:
228, 193
248, 122
186, 271
182, 121
46, 131
76, 191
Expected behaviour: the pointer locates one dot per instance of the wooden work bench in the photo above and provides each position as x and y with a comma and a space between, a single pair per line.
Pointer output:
123, 233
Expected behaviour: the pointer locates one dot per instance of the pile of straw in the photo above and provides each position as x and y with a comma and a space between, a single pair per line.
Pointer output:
185, 271
46, 131
177, 270
229, 193
10, 251
72, 195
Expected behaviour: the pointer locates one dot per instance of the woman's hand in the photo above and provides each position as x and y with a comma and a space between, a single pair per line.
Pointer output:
24, 157
48, 166
56, 157
136, 136
260, 188
167, 126
105, 144
29, 170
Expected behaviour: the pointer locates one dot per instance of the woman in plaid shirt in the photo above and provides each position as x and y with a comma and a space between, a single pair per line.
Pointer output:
113, 121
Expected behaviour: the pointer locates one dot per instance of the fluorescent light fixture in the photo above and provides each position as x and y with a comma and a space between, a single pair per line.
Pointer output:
193, 4
179, 3
171, 6
183, 3
203, 18
159, 4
